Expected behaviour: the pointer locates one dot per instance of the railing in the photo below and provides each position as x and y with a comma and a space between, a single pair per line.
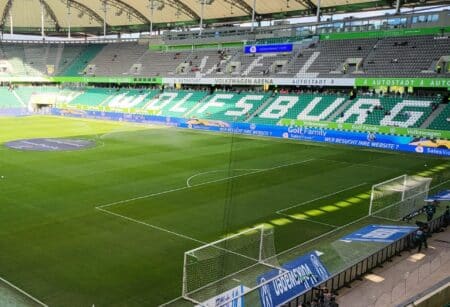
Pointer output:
71, 41
357, 270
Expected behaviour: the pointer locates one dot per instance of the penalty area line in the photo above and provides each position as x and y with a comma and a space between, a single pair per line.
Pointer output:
319, 198
308, 220
250, 170
151, 226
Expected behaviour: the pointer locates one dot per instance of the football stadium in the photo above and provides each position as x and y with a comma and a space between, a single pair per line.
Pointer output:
224, 153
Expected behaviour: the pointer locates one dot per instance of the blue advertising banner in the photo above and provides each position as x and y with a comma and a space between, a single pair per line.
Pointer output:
273, 48
302, 274
379, 233
231, 298
362, 139
441, 196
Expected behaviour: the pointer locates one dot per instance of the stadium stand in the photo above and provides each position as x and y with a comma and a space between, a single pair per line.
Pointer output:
76, 58
8, 99
389, 110
175, 103
92, 97
412, 56
117, 59
266, 107
229, 106
442, 121
306, 106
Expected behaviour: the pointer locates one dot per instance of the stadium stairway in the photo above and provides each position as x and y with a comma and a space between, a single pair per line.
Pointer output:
230, 106
8, 99
304, 106
81, 60
442, 121
175, 103
427, 122
376, 110
337, 113
268, 101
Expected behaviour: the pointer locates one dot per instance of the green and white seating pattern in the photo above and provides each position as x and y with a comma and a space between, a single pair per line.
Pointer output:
388, 111
442, 121
130, 99
8, 99
300, 106
229, 106
257, 107
175, 103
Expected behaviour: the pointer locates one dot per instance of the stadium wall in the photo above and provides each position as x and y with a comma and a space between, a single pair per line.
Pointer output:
362, 139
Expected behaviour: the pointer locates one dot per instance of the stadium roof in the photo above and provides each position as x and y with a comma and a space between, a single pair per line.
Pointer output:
84, 14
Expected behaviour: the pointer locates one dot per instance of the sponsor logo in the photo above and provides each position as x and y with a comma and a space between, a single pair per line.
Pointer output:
266, 296
371, 137
419, 149
298, 130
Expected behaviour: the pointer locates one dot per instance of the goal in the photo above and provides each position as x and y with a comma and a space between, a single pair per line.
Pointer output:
395, 198
235, 261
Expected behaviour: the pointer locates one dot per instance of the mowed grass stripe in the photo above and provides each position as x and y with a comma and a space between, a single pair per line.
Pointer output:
58, 248
255, 197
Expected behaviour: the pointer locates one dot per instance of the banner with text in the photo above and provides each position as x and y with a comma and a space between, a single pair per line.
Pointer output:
231, 298
302, 274
379, 233
405, 82
363, 139
312, 81
428, 133
271, 48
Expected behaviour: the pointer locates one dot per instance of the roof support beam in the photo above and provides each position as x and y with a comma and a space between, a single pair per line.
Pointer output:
51, 13
85, 9
6, 11
308, 4
185, 8
134, 12
242, 5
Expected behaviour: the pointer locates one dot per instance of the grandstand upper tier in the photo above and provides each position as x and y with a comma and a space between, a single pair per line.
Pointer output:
422, 56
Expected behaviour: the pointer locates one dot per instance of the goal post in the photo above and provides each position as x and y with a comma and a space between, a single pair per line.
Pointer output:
386, 192
221, 267
395, 198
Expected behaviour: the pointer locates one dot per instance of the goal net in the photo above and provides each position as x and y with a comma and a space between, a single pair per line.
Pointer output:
221, 267
396, 198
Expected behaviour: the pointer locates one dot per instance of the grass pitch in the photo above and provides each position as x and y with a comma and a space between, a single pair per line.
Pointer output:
109, 225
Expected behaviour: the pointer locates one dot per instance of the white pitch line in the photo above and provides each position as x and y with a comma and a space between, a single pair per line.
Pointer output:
356, 164
151, 226
188, 181
171, 301
200, 184
23, 292
309, 220
319, 198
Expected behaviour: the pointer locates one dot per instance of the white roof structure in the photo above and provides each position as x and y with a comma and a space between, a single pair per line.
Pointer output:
59, 14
